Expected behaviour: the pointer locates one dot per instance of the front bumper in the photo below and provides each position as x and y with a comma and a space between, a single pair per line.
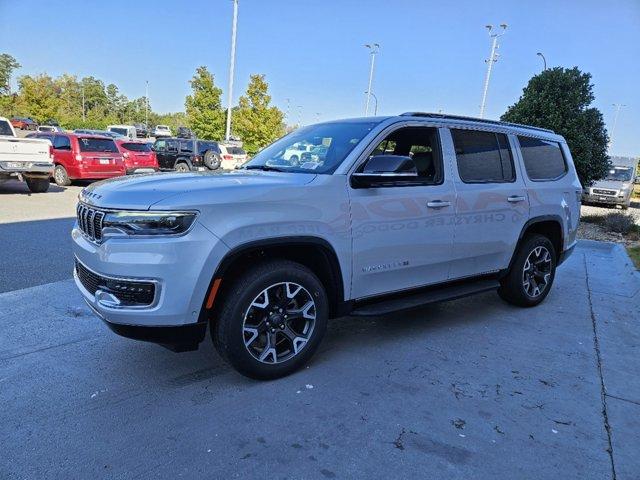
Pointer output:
181, 268
605, 199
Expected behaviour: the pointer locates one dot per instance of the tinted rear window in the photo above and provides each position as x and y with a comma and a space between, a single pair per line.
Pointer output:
97, 145
121, 131
483, 156
542, 159
137, 147
236, 151
5, 129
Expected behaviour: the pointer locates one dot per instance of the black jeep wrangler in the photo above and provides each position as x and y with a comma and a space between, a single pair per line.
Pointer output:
179, 154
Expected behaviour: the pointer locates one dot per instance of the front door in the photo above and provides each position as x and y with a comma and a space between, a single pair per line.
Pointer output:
403, 232
492, 204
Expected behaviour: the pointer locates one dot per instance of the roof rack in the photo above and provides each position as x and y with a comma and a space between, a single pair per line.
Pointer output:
472, 119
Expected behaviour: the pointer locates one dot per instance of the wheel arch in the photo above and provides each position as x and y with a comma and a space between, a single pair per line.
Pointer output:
182, 160
315, 253
548, 225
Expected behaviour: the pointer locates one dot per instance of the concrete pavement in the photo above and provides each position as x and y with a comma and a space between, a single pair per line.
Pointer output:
467, 389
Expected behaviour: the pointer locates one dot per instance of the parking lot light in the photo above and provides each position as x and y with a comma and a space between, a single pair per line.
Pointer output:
232, 65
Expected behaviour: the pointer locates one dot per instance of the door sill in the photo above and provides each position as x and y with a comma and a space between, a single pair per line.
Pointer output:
417, 299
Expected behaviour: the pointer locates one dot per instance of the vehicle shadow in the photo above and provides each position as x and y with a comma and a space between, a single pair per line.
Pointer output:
16, 187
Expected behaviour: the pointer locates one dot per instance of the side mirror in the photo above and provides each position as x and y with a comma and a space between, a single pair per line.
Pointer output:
385, 170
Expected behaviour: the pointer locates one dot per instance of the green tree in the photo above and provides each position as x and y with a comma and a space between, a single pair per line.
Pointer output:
39, 97
560, 99
7, 65
255, 120
204, 106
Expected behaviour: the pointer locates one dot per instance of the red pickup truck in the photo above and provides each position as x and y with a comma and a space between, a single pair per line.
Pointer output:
80, 157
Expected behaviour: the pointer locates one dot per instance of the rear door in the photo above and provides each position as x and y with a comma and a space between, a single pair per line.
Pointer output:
492, 205
63, 154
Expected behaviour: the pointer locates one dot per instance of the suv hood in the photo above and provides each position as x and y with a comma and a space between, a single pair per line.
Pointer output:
141, 192
610, 184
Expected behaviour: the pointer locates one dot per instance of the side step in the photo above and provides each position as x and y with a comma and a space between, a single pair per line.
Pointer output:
433, 295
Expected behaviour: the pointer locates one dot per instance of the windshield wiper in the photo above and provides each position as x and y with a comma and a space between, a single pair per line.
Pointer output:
264, 168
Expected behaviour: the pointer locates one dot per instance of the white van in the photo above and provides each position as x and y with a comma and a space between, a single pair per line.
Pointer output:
126, 130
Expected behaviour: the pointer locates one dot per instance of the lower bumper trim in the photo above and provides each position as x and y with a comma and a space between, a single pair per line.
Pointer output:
182, 338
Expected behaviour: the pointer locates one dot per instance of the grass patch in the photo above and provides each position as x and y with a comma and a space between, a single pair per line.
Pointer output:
634, 253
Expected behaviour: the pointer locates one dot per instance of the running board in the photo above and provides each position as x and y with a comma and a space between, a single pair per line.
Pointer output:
416, 300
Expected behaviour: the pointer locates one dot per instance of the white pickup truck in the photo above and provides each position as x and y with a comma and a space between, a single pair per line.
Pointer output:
27, 159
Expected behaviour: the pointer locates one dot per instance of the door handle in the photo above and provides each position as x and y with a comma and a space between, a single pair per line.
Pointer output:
516, 198
438, 204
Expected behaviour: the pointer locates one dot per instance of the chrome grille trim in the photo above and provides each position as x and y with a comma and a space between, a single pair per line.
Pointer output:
90, 222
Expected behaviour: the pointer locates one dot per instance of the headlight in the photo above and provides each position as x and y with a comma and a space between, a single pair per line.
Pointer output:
147, 223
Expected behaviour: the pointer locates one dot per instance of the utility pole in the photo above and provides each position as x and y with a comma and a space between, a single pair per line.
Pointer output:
83, 117
146, 105
286, 114
373, 50
232, 65
299, 116
493, 57
618, 107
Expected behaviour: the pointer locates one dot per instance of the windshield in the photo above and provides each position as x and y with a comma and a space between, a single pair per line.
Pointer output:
314, 149
619, 174
137, 147
97, 145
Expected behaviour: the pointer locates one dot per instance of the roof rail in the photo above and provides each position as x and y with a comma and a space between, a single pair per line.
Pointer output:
472, 119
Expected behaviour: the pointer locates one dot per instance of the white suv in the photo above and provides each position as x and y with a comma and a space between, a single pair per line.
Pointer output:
396, 213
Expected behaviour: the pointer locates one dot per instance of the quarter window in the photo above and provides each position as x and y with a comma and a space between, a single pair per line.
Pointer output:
483, 157
61, 142
543, 160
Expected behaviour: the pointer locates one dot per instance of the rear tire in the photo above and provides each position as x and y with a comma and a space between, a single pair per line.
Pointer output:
37, 185
271, 319
182, 167
532, 273
61, 177
212, 160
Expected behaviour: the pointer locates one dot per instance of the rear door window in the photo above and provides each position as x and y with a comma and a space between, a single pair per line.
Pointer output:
5, 129
483, 157
97, 145
543, 160
61, 142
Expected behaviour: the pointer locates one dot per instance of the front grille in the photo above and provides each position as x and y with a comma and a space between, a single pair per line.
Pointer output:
90, 221
601, 191
130, 293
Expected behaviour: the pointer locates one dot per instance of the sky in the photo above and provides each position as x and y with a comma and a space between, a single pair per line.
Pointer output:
312, 52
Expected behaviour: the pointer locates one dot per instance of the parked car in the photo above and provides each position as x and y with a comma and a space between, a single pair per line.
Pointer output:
102, 133
162, 131
27, 159
178, 154
24, 123
401, 211
50, 128
295, 151
617, 187
124, 130
142, 131
138, 156
232, 156
83, 157
184, 132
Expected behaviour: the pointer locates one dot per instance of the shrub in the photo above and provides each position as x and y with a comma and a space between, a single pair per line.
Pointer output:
619, 223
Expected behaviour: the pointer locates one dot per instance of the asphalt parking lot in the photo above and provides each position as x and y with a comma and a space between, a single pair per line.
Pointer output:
467, 389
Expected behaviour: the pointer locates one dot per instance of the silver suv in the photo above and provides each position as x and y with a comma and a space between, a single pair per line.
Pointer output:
396, 213
617, 187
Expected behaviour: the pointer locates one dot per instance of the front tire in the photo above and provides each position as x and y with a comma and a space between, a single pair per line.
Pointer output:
271, 320
61, 177
532, 273
37, 185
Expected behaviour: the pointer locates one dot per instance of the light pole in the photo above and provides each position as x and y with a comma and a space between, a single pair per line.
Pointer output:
373, 49
299, 116
544, 60
375, 107
83, 104
618, 107
493, 57
146, 104
232, 65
